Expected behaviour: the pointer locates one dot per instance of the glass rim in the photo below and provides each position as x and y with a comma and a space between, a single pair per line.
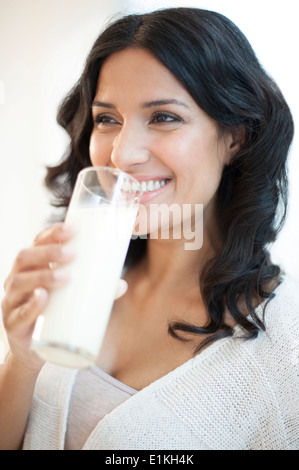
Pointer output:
116, 171
136, 194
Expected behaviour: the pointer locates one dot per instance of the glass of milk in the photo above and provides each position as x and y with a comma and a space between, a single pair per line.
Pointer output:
103, 208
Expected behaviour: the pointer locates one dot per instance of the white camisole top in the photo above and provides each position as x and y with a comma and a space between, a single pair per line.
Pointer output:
94, 395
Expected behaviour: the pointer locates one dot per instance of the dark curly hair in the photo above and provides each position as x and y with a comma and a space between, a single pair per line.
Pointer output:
214, 61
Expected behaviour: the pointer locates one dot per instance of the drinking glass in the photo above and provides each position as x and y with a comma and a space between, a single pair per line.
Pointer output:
103, 208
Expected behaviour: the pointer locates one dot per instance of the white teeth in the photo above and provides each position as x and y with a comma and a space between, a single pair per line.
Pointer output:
127, 186
146, 186
150, 185
135, 186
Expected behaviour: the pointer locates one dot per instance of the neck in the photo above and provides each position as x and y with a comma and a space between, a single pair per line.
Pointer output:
175, 264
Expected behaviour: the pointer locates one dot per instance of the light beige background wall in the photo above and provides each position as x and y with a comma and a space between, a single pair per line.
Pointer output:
43, 45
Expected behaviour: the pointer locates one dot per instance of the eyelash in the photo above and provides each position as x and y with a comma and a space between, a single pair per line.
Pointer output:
104, 119
159, 114
109, 120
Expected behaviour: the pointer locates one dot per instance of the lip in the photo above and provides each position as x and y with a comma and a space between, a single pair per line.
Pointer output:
141, 178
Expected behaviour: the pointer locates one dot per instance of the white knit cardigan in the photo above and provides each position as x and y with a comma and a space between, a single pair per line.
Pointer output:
236, 394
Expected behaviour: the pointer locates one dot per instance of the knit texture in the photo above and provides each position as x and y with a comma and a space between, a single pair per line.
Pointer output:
234, 395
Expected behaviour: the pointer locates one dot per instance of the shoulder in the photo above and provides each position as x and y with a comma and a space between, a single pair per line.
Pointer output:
279, 343
49, 408
258, 378
282, 311
288, 289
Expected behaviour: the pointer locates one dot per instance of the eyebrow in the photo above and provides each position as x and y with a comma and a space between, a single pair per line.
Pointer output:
163, 102
103, 105
149, 104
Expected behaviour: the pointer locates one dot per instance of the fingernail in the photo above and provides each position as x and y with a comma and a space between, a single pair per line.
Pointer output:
40, 293
68, 251
60, 274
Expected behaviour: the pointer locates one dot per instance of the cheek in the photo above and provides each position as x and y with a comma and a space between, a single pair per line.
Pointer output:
198, 165
99, 150
189, 149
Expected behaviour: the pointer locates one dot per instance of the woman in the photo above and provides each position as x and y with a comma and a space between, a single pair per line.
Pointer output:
200, 352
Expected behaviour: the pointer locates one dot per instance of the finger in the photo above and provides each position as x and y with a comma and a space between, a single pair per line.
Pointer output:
121, 288
24, 317
41, 255
57, 233
23, 284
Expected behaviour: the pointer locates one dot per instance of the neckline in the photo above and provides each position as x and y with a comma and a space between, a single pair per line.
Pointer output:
112, 380
237, 329
171, 376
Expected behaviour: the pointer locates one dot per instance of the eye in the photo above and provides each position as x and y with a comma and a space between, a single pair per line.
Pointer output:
105, 120
165, 118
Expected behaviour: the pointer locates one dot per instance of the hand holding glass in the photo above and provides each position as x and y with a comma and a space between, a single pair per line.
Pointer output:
103, 208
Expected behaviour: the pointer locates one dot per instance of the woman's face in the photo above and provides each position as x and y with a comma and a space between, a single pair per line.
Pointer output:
147, 124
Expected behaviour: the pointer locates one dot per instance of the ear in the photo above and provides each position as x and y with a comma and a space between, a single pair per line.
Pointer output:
237, 139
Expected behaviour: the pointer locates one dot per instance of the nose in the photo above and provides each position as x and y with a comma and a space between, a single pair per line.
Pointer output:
130, 147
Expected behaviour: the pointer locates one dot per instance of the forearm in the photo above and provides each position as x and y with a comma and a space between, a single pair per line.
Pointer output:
16, 391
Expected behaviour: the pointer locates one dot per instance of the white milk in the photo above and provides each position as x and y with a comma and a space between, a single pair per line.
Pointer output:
77, 314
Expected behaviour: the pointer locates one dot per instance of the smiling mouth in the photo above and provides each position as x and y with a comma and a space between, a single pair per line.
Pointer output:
146, 186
